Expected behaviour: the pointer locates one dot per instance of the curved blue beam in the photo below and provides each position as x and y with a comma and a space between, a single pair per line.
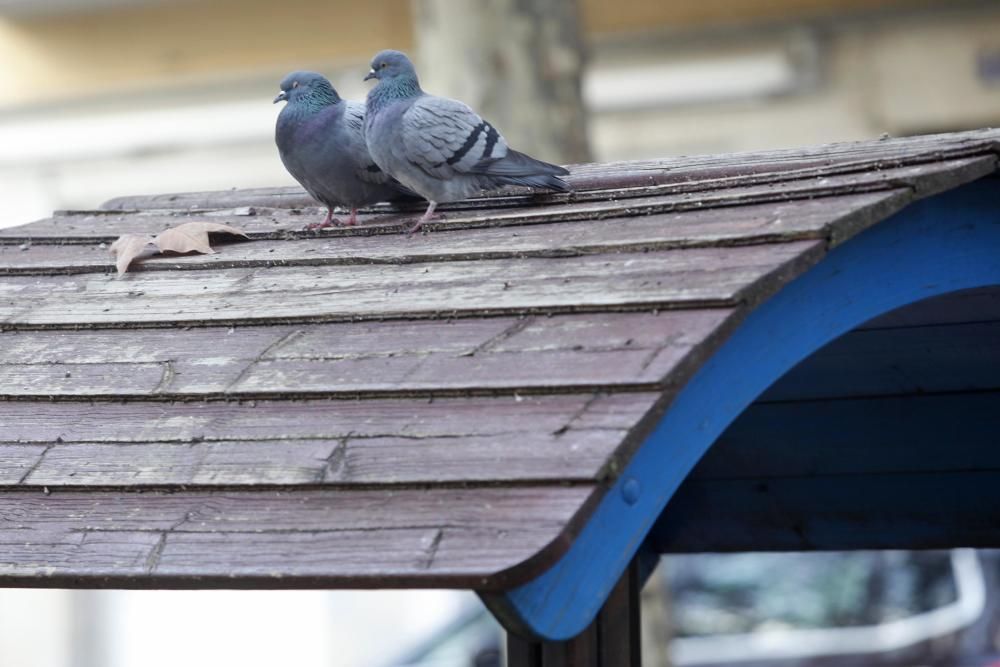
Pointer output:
938, 245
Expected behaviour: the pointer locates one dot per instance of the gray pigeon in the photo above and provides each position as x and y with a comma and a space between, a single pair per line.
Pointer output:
321, 142
437, 147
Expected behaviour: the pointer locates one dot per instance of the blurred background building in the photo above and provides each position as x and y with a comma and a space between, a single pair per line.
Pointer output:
111, 97
103, 98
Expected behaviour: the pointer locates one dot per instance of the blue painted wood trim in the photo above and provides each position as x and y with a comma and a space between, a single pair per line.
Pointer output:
938, 245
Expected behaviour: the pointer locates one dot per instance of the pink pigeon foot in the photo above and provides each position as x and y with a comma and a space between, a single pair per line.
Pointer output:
429, 215
353, 220
329, 221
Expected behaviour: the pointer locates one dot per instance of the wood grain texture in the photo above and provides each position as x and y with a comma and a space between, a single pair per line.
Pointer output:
738, 225
436, 357
478, 537
330, 443
666, 279
187, 422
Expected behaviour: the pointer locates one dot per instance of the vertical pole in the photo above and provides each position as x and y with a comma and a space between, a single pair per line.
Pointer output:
580, 651
523, 652
612, 640
619, 622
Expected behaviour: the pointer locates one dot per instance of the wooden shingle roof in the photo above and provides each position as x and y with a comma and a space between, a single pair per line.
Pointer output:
358, 408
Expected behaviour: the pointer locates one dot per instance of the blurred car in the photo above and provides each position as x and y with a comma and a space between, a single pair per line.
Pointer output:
850, 609
854, 609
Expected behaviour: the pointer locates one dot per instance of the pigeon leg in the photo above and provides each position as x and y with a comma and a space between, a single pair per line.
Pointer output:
353, 220
329, 221
429, 215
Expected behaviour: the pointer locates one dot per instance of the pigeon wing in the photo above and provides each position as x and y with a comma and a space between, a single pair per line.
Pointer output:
446, 138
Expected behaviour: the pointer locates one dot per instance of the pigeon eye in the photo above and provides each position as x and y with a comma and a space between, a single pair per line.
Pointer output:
295, 84
383, 65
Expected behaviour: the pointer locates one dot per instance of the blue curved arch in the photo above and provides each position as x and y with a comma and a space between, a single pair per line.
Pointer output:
946, 243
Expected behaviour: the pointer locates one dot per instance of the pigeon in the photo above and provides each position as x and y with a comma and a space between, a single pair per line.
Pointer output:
438, 147
320, 139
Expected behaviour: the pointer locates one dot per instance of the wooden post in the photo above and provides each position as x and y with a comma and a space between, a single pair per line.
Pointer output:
523, 652
612, 640
619, 622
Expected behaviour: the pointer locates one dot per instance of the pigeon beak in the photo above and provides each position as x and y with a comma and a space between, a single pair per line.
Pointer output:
371, 75
282, 96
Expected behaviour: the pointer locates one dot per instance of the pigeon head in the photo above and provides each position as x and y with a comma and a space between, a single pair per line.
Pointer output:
392, 65
308, 87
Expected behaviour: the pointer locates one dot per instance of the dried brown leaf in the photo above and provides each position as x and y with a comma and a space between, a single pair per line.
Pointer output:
127, 248
192, 237
188, 237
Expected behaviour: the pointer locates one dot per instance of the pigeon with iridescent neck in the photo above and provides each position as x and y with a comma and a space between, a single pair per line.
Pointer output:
321, 142
440, 148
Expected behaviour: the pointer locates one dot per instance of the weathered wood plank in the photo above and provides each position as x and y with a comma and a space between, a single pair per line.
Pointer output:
923, 179
333, 443
894, 511
40, 422
477, 537
17, 460
513, 355
570, 456
742, 225
689, 172
893, 434
654, 280
137, 422
124, 378
911, 360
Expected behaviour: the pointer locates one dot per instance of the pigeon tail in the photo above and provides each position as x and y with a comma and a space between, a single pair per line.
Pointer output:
516, 168
543, 181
